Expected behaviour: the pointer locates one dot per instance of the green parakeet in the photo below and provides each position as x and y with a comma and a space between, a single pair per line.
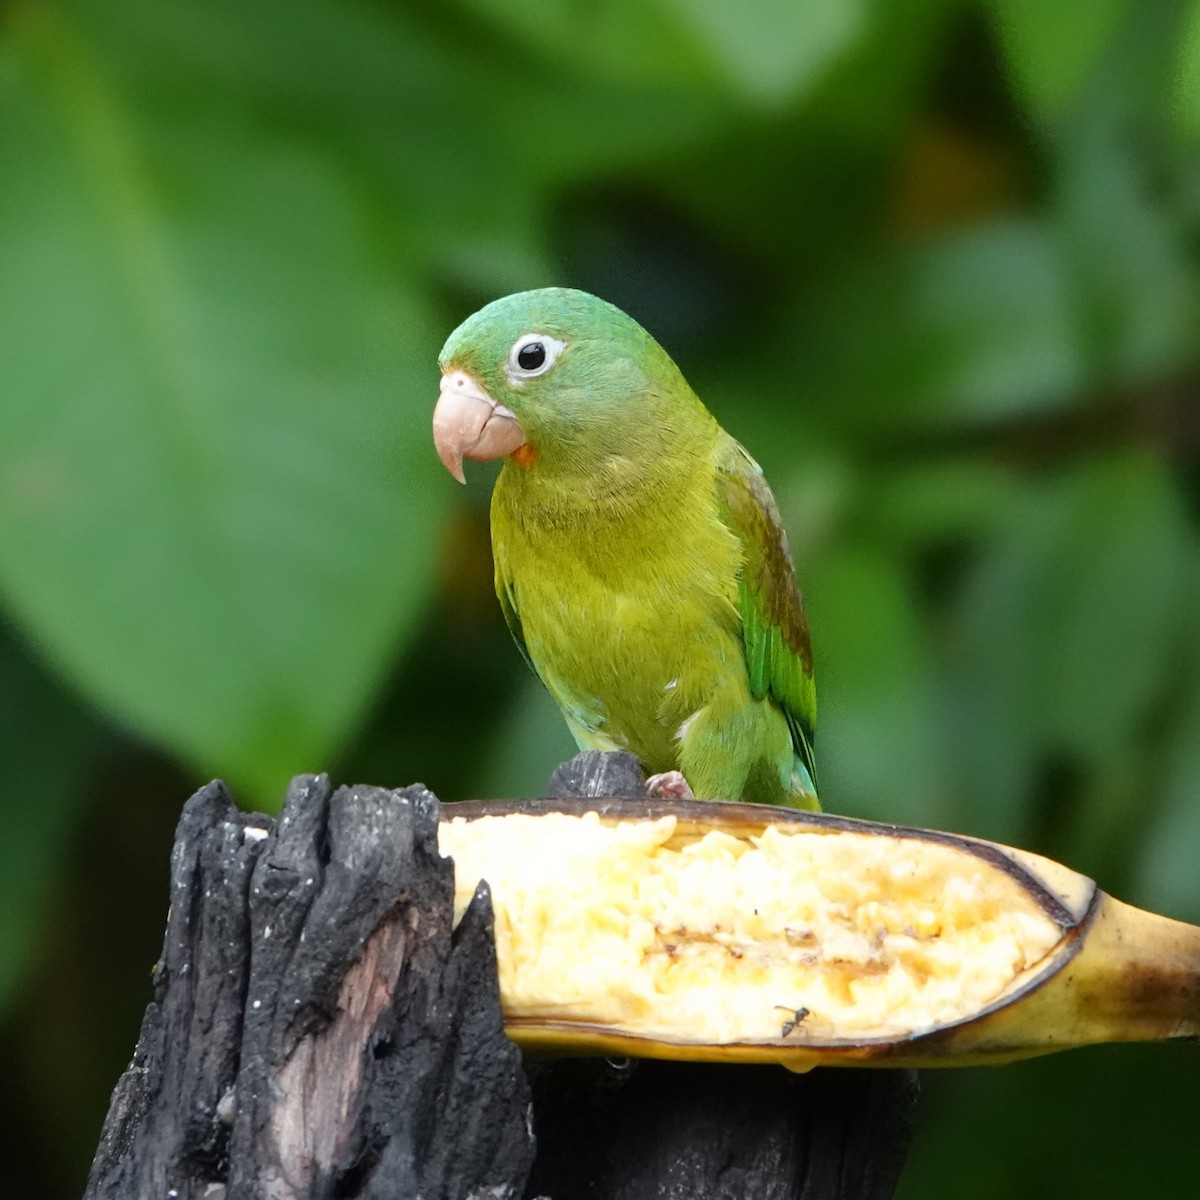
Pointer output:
640, 560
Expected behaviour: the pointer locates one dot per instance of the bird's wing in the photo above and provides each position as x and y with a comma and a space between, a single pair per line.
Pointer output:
774, 627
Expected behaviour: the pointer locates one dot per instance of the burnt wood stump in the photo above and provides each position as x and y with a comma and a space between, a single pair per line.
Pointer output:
321, 1031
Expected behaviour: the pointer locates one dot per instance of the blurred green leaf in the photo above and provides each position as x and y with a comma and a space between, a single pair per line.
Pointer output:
1187, 75
214, 455
788, 188
773, 49
1128, 261
1168, 875
633, 41
974, 325
1065, 630
1111, 605
989, 316
1053, 47
879, 752
930, 504
1012, 316
451, 140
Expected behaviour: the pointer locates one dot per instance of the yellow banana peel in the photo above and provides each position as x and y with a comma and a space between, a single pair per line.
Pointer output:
717, 931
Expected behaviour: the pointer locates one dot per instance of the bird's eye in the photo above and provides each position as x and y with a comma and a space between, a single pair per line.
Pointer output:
532, 354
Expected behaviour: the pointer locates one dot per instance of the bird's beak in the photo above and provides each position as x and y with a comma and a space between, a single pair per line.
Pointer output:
468, 423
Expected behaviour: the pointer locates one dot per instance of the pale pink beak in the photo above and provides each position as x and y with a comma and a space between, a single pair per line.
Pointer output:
468, 423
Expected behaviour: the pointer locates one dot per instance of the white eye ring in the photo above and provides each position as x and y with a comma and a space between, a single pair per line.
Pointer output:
523, 347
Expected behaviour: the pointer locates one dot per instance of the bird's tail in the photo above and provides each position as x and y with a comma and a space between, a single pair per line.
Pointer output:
802, 788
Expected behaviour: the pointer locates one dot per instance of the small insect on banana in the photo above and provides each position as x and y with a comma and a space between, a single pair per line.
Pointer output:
674, 929
640, 559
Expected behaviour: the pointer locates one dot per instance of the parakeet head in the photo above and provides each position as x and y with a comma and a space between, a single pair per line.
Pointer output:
552, 375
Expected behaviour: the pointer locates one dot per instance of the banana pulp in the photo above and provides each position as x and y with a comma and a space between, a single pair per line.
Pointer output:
728, 939
710, 930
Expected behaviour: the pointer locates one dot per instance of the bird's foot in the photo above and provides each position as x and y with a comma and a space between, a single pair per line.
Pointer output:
671, 785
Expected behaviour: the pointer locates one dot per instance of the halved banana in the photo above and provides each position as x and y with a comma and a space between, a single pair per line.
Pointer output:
701, 930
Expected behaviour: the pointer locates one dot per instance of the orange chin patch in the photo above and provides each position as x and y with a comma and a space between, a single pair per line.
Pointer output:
524, 456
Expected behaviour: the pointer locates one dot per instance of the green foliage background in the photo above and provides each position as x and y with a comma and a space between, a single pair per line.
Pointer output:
934, 261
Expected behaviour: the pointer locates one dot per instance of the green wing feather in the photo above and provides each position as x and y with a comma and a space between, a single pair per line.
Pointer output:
774, 627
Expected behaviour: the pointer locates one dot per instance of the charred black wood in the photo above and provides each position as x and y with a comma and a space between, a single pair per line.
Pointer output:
628, 1130
317, 1029
595, 773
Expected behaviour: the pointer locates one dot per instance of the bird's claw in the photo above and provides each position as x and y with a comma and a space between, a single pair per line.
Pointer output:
671, 785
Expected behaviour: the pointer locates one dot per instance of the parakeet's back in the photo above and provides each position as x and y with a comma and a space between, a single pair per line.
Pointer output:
639, 557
